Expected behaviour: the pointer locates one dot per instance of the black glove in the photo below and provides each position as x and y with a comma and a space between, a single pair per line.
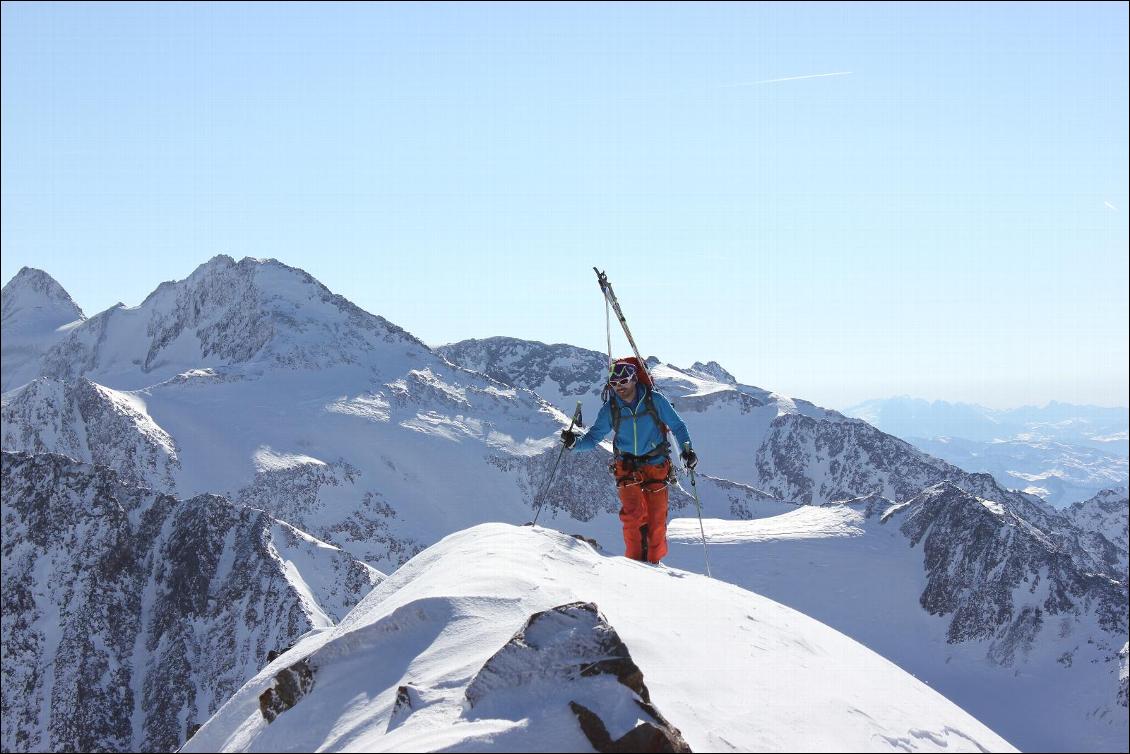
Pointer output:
569, 437
689, 459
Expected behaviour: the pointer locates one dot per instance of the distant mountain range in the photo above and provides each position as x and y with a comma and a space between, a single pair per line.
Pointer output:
250, 390
1064, 453
1100, 427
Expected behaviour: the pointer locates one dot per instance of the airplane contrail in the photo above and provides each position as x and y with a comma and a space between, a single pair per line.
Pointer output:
1111, 206
787, 78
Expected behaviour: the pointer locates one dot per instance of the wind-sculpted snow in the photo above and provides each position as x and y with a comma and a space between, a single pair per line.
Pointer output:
129, 615
526, 639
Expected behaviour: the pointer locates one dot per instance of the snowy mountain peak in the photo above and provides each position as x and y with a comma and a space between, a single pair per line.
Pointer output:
1109, 499
549, 645
954, 497
37, 313
226, 313
35, 289
1106, 516
713, 370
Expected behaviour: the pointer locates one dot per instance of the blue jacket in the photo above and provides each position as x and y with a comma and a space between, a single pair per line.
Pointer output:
638, 434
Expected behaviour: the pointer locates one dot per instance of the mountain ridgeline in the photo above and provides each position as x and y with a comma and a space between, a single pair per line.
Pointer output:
248, 410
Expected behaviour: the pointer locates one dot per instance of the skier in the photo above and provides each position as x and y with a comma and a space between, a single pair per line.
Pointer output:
639, 417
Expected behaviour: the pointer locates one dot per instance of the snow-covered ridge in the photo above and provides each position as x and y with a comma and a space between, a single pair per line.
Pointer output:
376, 455
129, 615
36, 313
90, 422
787, 447
398, 674
225, 313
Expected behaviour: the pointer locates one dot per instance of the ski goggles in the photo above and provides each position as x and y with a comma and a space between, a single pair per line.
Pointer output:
622, 375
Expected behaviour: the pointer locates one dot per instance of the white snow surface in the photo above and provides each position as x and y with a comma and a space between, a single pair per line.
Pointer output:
732, 670
859, 575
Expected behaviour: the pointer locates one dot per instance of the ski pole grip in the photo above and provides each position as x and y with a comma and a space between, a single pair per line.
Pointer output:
574, 419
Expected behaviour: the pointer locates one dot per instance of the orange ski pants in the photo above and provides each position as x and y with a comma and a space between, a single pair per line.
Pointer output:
643, 509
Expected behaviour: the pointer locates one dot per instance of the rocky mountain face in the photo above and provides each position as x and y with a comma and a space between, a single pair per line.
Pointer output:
225, 313
791, 449
797, 451
130, 616
36, 313
337, 423
252, 380
1000, 578
556, 372
89, 422
1103, 522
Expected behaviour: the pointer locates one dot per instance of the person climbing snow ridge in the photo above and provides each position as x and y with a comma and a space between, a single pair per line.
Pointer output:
639, 417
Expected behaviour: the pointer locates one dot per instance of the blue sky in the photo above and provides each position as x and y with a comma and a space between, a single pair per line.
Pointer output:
946, 219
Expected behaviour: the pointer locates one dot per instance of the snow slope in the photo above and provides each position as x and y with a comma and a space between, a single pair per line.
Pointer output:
958, 590
292, 401
731, 670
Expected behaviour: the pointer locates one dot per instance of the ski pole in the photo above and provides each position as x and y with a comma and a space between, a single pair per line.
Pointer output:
698, 506
541, 496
